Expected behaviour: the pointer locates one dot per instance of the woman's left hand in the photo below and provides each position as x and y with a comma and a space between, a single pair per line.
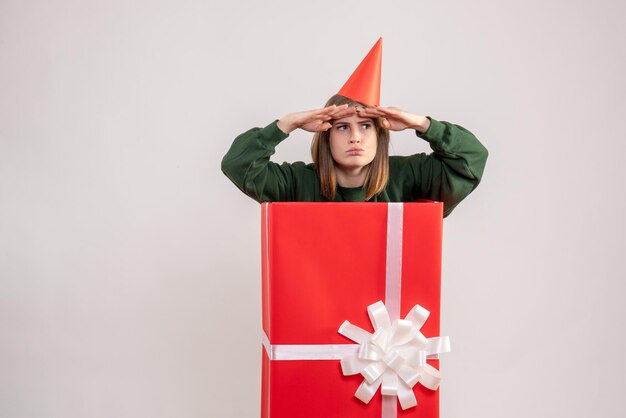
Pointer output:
396, 119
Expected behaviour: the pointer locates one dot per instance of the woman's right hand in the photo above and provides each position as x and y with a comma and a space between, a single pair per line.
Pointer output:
317, 120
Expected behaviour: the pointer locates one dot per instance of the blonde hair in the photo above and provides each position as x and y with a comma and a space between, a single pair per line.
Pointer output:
378, 172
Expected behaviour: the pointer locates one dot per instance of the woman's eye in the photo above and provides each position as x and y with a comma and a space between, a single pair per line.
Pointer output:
366, 125
341, 127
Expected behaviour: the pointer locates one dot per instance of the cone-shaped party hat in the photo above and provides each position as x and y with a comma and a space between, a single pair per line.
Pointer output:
364, 83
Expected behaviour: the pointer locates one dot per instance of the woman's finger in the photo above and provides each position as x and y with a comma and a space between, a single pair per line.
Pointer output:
335, 108
317, 115
394, 111
370, 111
386, 111
342, 113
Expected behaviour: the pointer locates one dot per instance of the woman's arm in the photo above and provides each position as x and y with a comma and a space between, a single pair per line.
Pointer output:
454, 169
451, 172
247, 163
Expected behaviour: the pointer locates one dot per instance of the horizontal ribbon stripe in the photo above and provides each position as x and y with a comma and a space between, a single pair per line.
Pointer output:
308, 351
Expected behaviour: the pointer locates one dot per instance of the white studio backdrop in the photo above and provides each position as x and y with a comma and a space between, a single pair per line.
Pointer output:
130, 266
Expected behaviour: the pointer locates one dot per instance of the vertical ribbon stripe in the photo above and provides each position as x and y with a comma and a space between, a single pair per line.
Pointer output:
393, 286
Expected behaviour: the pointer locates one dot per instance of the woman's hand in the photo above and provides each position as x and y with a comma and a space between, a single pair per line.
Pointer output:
396, 119
314, 120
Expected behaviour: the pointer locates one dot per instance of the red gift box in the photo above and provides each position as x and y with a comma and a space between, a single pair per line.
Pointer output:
325, 263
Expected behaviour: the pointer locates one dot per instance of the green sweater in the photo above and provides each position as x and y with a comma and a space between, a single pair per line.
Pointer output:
447, 175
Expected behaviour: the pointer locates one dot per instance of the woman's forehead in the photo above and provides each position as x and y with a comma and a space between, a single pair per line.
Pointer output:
352, 119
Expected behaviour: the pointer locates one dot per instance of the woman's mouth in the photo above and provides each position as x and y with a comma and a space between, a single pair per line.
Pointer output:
355, 151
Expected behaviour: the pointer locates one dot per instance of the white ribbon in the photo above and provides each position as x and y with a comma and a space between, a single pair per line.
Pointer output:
394, 356
393, 283
308, 351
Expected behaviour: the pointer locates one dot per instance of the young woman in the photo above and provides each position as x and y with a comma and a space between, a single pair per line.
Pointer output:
351, 162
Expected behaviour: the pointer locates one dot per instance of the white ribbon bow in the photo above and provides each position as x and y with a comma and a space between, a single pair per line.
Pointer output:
394, 356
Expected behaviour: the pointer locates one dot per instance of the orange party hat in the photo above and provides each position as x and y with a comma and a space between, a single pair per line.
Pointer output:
364, 83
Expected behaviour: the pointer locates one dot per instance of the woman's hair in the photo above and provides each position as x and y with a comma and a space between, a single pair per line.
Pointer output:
378, 172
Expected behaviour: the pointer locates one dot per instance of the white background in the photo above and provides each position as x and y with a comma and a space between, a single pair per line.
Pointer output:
130, 265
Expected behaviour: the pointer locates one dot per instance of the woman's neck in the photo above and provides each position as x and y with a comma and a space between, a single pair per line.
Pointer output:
351, 177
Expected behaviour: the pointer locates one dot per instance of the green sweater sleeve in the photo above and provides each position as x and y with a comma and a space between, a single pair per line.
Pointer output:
455, 167
247, 164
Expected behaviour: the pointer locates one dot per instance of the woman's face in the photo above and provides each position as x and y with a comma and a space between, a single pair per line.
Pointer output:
353, 142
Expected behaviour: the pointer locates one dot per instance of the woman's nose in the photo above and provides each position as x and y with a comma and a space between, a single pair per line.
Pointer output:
355, 138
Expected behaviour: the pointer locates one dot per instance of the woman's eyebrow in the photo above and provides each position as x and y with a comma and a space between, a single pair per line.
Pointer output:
334, 122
